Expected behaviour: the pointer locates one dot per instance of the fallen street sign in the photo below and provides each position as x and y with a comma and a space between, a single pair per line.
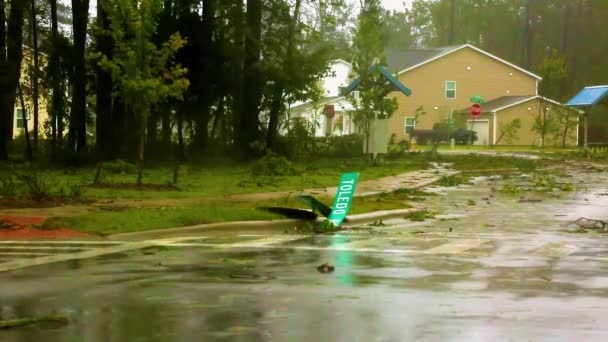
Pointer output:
344, 198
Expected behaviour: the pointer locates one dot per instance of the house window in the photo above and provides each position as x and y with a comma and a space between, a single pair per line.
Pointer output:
450, 89
409, 124
19, 118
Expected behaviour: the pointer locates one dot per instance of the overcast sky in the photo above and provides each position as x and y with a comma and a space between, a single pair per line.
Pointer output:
388, 4
396, 4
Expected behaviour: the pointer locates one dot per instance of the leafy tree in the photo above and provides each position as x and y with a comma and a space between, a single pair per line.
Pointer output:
370, 40
508, 131
545, 123
553, 69
143, 74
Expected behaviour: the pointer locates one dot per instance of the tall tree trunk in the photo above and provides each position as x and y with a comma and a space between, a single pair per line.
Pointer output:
165, 134
574, 59
143, 121
10, 73
78, 113
54, 81
28, 146
237, 16
249, 120
2, 31
151, 131
566, 127
219, 115
104, 121
528, 35
207, 64
180, 137
35, 76
452, 22
277, 98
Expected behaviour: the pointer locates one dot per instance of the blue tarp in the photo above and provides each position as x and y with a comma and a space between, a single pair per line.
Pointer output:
589, 96
391, 79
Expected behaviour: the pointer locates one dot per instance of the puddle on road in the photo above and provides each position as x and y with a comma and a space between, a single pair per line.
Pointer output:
204, 293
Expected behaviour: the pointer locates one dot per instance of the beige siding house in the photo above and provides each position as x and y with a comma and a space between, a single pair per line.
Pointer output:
25, 82
443, 80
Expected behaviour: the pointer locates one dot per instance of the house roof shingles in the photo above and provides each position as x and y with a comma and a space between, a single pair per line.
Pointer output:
400, 59
504, 101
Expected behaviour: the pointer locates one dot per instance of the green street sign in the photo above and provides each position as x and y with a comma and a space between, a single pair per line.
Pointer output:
477, 99
344, 198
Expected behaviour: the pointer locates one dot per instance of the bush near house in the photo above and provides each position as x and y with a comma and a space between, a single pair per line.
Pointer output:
441, 134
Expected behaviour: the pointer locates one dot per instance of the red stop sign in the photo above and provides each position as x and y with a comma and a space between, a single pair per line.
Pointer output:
475, 110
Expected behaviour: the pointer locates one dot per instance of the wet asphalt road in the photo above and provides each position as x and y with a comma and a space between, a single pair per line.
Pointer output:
508, 270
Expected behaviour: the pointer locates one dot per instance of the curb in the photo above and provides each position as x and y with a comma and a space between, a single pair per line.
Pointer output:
278, 224
259, 226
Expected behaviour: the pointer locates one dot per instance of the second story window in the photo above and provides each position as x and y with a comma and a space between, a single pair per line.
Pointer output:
19, 123
450, 89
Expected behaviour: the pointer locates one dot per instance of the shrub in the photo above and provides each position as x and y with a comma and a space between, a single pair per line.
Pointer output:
8, 188
75, 191
119, 166
272, 165
420, 215
38, 188
451, 180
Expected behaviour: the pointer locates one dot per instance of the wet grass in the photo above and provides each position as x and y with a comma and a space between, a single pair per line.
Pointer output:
22, 322
480, 163
452, 180
140, 219
198, 181
420, 215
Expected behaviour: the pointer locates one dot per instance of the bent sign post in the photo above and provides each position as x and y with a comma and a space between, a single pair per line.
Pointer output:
344, 197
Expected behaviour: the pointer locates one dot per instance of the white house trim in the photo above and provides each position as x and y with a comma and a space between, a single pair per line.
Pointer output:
342, 61
476, 49
533, 97
516, 103
311, 105
494, 128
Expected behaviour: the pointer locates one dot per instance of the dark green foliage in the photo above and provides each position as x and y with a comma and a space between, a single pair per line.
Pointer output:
325, 227
420, 215
38, 186
8, 188
452, 180
119, 166
272, 165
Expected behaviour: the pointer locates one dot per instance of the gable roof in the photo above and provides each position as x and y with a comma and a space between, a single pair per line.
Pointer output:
311, 104
406, 60
505, 102
340, 60
399, 59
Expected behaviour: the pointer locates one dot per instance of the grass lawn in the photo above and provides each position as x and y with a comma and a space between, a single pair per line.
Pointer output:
142, 219
210, 181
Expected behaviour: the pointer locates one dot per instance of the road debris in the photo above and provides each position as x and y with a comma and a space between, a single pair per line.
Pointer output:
586, 223
325, 268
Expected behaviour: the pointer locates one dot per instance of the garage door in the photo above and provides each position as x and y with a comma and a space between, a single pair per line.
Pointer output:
482, 128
